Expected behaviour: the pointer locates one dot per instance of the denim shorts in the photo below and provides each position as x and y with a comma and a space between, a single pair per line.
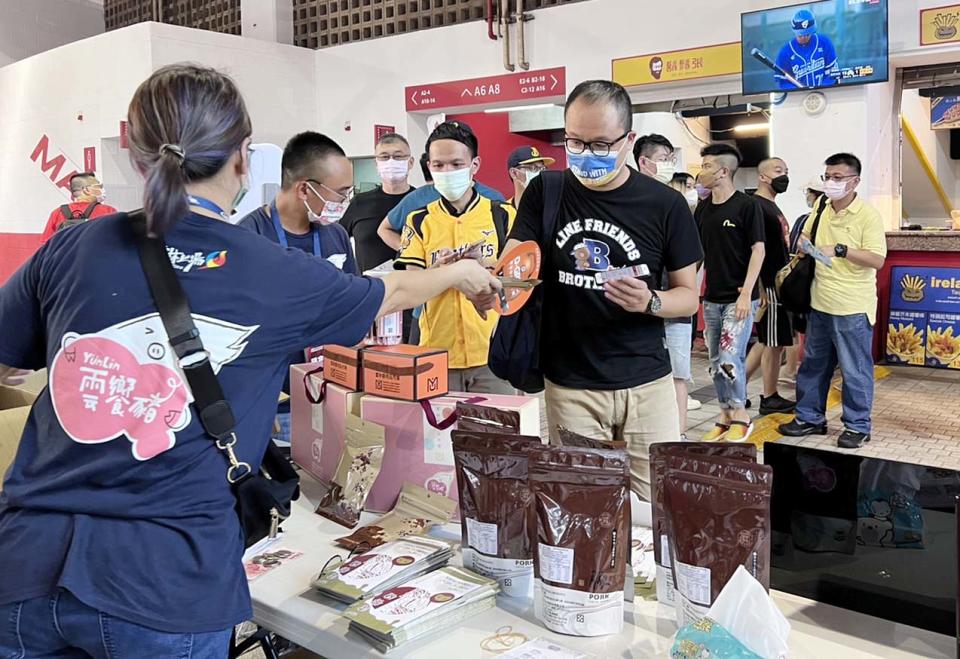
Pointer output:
679, 341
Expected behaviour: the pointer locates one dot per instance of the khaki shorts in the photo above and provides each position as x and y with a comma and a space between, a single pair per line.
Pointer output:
478, 380
640, 416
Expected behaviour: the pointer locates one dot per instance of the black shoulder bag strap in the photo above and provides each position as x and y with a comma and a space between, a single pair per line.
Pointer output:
816, 220
88, 211
67, 212
552, 197
501, 223
215, 412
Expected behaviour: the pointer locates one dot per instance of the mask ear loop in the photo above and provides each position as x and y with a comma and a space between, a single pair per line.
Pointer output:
503, 640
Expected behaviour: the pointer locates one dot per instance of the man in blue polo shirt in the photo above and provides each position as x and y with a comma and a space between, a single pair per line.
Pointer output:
315, 189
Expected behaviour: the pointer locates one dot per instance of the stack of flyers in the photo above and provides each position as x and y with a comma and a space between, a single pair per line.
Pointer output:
643, 564
383, 568
433, 602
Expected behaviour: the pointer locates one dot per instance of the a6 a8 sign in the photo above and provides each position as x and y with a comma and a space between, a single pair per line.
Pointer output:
545, 84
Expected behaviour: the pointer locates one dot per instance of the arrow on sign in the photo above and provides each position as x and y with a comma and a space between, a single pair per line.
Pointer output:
555, 82
466, 92
413, 98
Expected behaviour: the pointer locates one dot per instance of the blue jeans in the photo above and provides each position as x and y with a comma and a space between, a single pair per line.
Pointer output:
830, 340
62, 626
727, 340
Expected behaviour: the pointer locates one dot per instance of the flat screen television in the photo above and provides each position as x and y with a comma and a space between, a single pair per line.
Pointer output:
814, 45
865, 534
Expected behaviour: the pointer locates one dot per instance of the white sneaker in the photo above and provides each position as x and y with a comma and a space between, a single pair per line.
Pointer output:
693, 404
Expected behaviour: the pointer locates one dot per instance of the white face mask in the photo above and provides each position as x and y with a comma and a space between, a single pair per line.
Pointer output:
692, 197
393, 171
453, 185
835, 189
665, 171
332, 210
530, 175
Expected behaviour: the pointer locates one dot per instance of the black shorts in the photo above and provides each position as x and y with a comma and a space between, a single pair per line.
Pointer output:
774, 329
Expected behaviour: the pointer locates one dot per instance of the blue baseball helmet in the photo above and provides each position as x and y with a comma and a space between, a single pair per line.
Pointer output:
804, 23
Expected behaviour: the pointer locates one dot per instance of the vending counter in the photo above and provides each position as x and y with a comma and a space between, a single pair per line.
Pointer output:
922, 255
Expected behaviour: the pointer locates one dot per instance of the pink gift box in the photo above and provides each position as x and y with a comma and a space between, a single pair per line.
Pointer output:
317, 429
419, 452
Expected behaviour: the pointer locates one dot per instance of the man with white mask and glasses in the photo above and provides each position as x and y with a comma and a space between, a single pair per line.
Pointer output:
844, 308
461, 224
602, 349
524, 164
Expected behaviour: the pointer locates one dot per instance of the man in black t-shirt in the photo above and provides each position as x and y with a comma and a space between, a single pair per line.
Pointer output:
731, 230
602, 344
367, 211
774, 329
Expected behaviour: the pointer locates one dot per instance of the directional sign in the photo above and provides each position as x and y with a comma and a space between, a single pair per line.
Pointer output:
512, 87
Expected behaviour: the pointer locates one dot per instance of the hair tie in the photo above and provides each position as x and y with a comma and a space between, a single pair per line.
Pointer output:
503, 640
175, 149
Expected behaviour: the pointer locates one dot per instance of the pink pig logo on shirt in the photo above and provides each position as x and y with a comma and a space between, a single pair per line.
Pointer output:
124, 381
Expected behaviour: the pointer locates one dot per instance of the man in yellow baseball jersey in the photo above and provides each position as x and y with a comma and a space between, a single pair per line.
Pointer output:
461, 223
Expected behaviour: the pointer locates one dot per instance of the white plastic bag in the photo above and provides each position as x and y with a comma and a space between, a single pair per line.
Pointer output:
745, 610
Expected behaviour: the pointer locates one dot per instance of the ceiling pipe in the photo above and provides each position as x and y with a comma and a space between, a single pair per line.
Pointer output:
505, 17
523, 18
490, 34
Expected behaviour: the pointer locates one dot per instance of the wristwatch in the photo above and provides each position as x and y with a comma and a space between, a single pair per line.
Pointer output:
654, 305
840, 251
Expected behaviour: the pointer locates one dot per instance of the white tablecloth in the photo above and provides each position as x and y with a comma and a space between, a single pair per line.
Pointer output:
284, 602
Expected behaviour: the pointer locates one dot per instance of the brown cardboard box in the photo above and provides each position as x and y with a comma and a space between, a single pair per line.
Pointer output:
15, 403
342, 366
405, 372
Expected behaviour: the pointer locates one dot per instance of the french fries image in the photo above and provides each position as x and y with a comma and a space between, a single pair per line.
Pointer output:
905, 341
912, 288
943, 345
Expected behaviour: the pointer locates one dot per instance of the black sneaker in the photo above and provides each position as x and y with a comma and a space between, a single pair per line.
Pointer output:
776, 404
748, 403
852, 439
797, 428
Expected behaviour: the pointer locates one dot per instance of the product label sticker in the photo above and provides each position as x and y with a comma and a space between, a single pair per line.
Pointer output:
541, 648
482, 536
693, 583
576, 612
556, 563
689, 613
665, 551
514, 576
666, 593
268, 561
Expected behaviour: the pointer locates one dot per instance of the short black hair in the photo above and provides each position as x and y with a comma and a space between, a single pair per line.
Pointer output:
80, 180
681, 177
393, 138
302, 153
425, 167
595, 91
847, 159
647, 144
456, 131
719, 149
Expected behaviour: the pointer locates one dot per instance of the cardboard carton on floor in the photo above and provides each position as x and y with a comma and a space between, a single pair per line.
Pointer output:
15, 403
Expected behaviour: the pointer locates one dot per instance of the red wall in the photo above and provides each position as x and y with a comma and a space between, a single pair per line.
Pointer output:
496, 142
15, 248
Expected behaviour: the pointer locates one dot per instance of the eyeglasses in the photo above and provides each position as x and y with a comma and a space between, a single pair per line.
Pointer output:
384, 157
345, 196
838, 178
540, 167
597, 147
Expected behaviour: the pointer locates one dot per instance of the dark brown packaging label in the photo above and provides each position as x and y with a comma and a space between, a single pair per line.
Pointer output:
570, 439
479, 418
496, 507
716, 524
582, 499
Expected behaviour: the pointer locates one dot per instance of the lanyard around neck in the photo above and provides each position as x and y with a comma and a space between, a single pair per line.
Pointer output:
206, 204
282, 235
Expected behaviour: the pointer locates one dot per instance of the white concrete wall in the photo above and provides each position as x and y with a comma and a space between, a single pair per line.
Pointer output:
28, 27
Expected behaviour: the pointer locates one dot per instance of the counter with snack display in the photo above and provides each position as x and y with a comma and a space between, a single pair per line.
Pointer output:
919, 298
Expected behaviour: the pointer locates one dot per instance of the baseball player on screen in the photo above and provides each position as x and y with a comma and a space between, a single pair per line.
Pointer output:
810, 57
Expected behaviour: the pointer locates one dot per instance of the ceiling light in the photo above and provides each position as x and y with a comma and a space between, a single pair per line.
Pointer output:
517, 108
742, 129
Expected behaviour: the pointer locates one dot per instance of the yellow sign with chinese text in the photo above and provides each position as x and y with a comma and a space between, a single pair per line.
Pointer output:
678, 65
940, 25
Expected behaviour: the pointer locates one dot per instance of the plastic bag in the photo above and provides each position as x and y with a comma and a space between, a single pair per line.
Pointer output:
746, 610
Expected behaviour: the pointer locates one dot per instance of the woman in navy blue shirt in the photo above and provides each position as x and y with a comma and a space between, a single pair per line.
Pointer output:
117, 524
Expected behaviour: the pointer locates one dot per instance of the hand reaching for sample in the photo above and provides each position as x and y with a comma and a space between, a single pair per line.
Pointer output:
474, 280
631, 294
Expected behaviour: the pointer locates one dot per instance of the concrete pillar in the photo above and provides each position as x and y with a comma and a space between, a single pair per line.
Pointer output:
268, 20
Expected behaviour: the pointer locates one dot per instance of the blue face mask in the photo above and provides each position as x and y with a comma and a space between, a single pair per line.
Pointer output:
593, 170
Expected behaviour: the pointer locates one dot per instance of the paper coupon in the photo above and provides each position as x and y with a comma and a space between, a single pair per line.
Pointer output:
630, 272
482, 536
268, 561
556, 563
540, 648
694, 583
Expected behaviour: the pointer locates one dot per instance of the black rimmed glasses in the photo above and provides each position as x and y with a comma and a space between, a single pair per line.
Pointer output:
597, 147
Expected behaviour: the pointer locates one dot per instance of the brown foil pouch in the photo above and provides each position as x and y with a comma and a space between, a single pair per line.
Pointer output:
570, 439
478, 418
716, 524
582, 546
417, 511
496, 507
356, 472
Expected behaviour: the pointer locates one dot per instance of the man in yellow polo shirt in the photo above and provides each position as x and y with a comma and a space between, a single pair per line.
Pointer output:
844, 301
461, 223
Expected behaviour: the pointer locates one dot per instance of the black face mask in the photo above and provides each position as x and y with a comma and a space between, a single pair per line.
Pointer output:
780, 184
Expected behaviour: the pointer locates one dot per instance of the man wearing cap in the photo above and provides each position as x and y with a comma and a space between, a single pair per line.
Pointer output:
810, 57
525, 164
462, 223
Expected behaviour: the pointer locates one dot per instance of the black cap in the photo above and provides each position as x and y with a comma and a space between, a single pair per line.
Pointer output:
526, 155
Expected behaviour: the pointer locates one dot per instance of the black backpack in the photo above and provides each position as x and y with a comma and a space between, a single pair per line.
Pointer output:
515, 346
70, 218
